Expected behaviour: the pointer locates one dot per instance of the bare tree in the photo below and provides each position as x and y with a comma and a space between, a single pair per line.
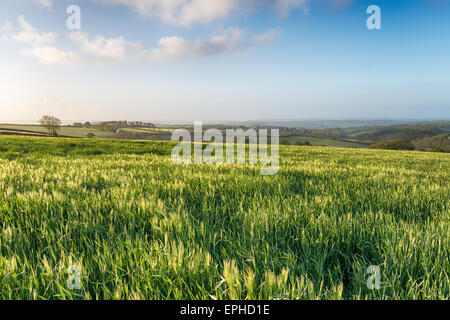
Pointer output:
51, 123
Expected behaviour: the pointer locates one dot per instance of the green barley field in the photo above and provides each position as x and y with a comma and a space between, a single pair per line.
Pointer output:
140, 227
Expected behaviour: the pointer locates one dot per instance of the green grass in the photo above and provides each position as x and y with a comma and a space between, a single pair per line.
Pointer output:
141, 227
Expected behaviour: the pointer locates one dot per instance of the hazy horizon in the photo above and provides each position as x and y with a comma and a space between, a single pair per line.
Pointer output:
280, 122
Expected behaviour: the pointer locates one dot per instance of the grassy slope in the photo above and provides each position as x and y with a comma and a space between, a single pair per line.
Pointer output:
141, 227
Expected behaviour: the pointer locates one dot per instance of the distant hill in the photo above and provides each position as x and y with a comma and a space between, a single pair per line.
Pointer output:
424, 135
436, 143
329, 124
394, 132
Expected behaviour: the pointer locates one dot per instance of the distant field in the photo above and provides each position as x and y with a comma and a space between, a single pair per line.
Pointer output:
65, 131
76, 132
140, 227
400, 131
165, 134
151, 133
151, 130
329, 142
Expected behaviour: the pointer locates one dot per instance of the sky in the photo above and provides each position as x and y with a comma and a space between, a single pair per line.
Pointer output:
223, 60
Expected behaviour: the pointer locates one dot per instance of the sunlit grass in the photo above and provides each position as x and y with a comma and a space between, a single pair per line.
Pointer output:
141, 227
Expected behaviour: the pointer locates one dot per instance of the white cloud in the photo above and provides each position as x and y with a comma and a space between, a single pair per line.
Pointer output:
341, 3
24, 24
29, 35
284, 7
228, 41
106, 50
52, 55
40, 50
179, 12
173, 48
101, 49
34, 38
266, 37
7, 26
204, 11
187, 12
47, 4
169, 48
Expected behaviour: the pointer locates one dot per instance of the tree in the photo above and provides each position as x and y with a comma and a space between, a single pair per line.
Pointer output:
396, 144
51, 123
440, 142
91, 135
306, 143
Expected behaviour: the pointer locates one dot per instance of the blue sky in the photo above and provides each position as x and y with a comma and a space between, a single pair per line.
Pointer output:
186, 60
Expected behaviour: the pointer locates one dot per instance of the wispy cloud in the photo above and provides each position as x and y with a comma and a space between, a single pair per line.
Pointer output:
232, 39
169, 48
47, 4
179, 12
4, 30
187, 12
6, 27
52, 55
29, 35
106, 50
99, 49
284, 7
39, 47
